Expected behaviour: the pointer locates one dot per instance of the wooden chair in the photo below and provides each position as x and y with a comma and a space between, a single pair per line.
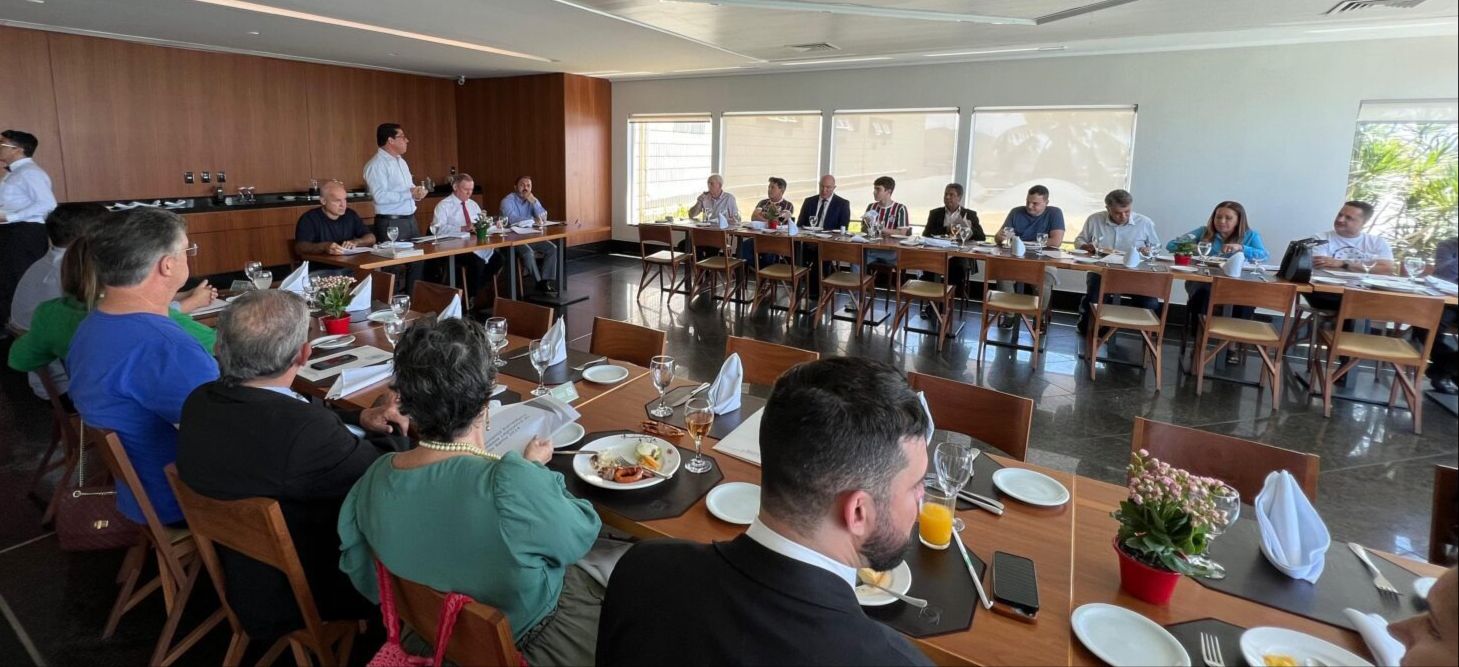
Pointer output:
433, 297
1241, 464
1024, 306
765, 362
1418, 312
939, 294
482, 636
993, 417
1111, 317
768, 279
1269, 342
63, 439
854, 280
662, 238
254, 527
722, 264
382, 286
1444, 521
175, 551
625, 341
524, 319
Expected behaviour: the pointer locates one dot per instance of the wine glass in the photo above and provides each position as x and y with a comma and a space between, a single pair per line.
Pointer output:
394, 329
1414, 266
311, 288
250, 268
496, 334
399, 306
1203, 248
1147, 254
1227, 502
1040, 241
698, 417
1368, 260
662, 370
954, 464
263, 279
541, 356
392, 233
815, 223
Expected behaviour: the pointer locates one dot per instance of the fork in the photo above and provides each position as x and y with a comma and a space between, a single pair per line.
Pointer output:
589, 362
1380, 582
1211, 650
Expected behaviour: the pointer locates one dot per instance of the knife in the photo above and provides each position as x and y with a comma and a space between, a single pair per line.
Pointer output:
689, 396
982, 503
977, 583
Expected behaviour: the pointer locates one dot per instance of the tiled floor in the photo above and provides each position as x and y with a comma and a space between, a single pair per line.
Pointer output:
1375, 485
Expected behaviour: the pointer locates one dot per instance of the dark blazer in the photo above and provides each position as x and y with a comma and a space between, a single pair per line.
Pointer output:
838, 212
244, 442
937, 226
736, 603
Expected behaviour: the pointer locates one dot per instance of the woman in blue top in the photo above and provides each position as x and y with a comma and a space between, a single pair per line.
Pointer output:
1228, 233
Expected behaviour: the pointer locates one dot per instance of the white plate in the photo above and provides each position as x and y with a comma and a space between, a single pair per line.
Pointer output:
398, 245
1183, 269
386, 315
1034, 488
1422, 585
331, 342
901, 583
1324, 280
735, 502
624, 444
567, 435
605, 374
1122, 637
1303, 648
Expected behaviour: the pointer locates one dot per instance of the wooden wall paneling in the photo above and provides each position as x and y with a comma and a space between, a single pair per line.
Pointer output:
510, 127
228, 239
29, 101
257, 119
588, 130
427, 109
345, 105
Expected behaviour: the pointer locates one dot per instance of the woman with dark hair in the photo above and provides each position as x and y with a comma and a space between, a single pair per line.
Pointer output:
446, 514
1228, 233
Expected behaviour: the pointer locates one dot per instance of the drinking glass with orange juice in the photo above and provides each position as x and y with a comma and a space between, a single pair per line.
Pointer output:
934, 521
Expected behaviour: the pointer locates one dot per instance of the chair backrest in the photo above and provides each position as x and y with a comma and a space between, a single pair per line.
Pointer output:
765, 362
524, 319
1136, 283
59, 414
1277, 295
841, 252
917, 259
655, 235
767, 244
1444, 524
1025, 271
108, 445
716, 240
1241, 464
253, 527
433, 297
382, 286
482, 635
625, 341
998, 419
1423, 312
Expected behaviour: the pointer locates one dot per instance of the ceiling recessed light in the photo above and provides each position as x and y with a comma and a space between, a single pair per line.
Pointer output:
392, 53
253, 32
38, 2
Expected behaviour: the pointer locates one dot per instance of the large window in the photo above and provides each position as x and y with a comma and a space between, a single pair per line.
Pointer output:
668, 160
917, 148
758, 146
1404, 164
1079, 154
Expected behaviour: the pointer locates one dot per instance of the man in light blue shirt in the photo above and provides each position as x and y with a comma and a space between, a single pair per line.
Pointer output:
1117, 228
521, 205
25, 201
395, 193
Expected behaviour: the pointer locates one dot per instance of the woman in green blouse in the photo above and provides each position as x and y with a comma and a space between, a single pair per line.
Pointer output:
446, 514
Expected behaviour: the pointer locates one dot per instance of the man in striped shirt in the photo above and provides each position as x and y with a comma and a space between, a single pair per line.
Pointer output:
891, 215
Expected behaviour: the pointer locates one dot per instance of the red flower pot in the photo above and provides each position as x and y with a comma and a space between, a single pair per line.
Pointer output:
336, 325
1183, 260
1146, 583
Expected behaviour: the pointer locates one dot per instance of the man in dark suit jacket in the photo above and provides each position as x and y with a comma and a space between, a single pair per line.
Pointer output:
832, 212
783, 593
248, 435
952, 208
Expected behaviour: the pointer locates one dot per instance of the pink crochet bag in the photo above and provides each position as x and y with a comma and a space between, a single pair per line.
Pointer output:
393, 654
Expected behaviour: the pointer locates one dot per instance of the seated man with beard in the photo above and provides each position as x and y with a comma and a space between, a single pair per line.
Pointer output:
844, 452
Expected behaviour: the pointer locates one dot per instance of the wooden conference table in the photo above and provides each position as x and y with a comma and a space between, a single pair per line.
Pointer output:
1070, 546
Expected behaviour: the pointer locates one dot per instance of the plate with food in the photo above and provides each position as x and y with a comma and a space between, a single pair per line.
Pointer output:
898, 579
1277, 647
627, 461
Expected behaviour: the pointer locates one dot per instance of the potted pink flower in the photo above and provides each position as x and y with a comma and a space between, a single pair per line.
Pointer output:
1163, 524
332, 293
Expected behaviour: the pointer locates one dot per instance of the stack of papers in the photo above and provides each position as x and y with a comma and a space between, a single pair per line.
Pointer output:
513, 426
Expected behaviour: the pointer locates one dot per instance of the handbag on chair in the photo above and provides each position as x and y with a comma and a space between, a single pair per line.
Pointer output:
393, 653
87, 518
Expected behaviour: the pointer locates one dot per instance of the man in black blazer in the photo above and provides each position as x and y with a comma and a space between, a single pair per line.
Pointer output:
783, 592
248, 435
937, 225
832, 212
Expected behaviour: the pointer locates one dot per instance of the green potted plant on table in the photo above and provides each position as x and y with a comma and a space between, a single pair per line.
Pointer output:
1185, 246
482, 227
1165, 521
333, 297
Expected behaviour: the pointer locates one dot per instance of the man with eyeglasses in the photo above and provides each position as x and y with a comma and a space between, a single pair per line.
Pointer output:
394, 192
25, 201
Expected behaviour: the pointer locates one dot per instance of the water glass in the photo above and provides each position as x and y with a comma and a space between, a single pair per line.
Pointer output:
311, 288
263, 279
661, 368
1368, 260
953, 462
541, 356
250, 268
1203, 248
698, 417
496, 334
394, 329
399, 306
392, 233
1147, 254
815, 222
1228, 505
1040, 241
1414, 266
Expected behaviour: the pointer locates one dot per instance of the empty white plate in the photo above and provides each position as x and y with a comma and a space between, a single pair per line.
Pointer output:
331, 342
386, 315
605, 374
1303, 648
734, 502
567, 435
1122, 637
1034, 488
1422, 585
901, 583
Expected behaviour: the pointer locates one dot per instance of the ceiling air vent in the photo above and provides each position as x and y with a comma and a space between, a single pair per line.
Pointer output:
815, 47
1350, 6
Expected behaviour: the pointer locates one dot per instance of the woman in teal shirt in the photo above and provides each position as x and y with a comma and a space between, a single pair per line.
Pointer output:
1228, 233
446, 514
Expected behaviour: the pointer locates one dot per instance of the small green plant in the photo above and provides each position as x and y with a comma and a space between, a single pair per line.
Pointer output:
1185, 245
1168, 516
333, 294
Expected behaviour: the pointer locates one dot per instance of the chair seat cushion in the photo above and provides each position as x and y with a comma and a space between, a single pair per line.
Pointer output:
1382, 348
666, 257
844, 279
1246, 331
719, 263
1125, 316
782, 271
924, 289
1025, 303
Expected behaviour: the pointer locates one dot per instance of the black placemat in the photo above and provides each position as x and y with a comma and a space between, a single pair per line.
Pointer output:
1344, 581
723, 424
1229, 637
660, 501
983, 468
521, 367
941, 578
507, 397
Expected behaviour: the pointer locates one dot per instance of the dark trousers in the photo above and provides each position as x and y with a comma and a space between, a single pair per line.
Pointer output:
1445, 359
479, 275
1091, 293
21, 244
406, 274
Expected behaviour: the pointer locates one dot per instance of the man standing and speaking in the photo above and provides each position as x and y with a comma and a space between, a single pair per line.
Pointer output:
394, 192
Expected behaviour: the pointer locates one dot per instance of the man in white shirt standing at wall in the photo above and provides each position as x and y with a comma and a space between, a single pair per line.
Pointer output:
394, 192
456, 214
25, 201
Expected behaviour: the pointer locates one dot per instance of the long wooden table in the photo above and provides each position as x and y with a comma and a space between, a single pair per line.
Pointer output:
1070, 546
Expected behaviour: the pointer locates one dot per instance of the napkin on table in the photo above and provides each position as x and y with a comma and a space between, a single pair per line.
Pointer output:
1132, 257
361, 294
351, 380
556, 339
1374, 629
1234, 264
938, 243
1293, 536
724, 394
452, 310
1018, 247
295, 282
857, 238
723, 221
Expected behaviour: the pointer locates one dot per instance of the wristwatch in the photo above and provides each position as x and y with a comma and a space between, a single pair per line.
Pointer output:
1345, 266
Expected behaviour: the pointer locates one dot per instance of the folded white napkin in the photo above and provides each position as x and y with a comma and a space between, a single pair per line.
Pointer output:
1234, 264
295, 281
1374, 629
922, 396
1018, 247
351, 380
452, 310
1132, 257
939, 243
723, 221
724, 394
1293, 536
360, 295
556, 339
792, 229
859, 239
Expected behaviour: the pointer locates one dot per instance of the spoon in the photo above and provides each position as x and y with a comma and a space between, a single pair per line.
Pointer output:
915, 602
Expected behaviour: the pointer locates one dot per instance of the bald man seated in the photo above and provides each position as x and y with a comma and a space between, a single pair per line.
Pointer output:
333, 227
1432, 638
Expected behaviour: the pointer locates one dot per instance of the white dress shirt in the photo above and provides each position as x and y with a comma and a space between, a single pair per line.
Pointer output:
41, 282
25, 192
447, 219
1366, 243
782, 545
1138, 231
713, 207
388, 178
